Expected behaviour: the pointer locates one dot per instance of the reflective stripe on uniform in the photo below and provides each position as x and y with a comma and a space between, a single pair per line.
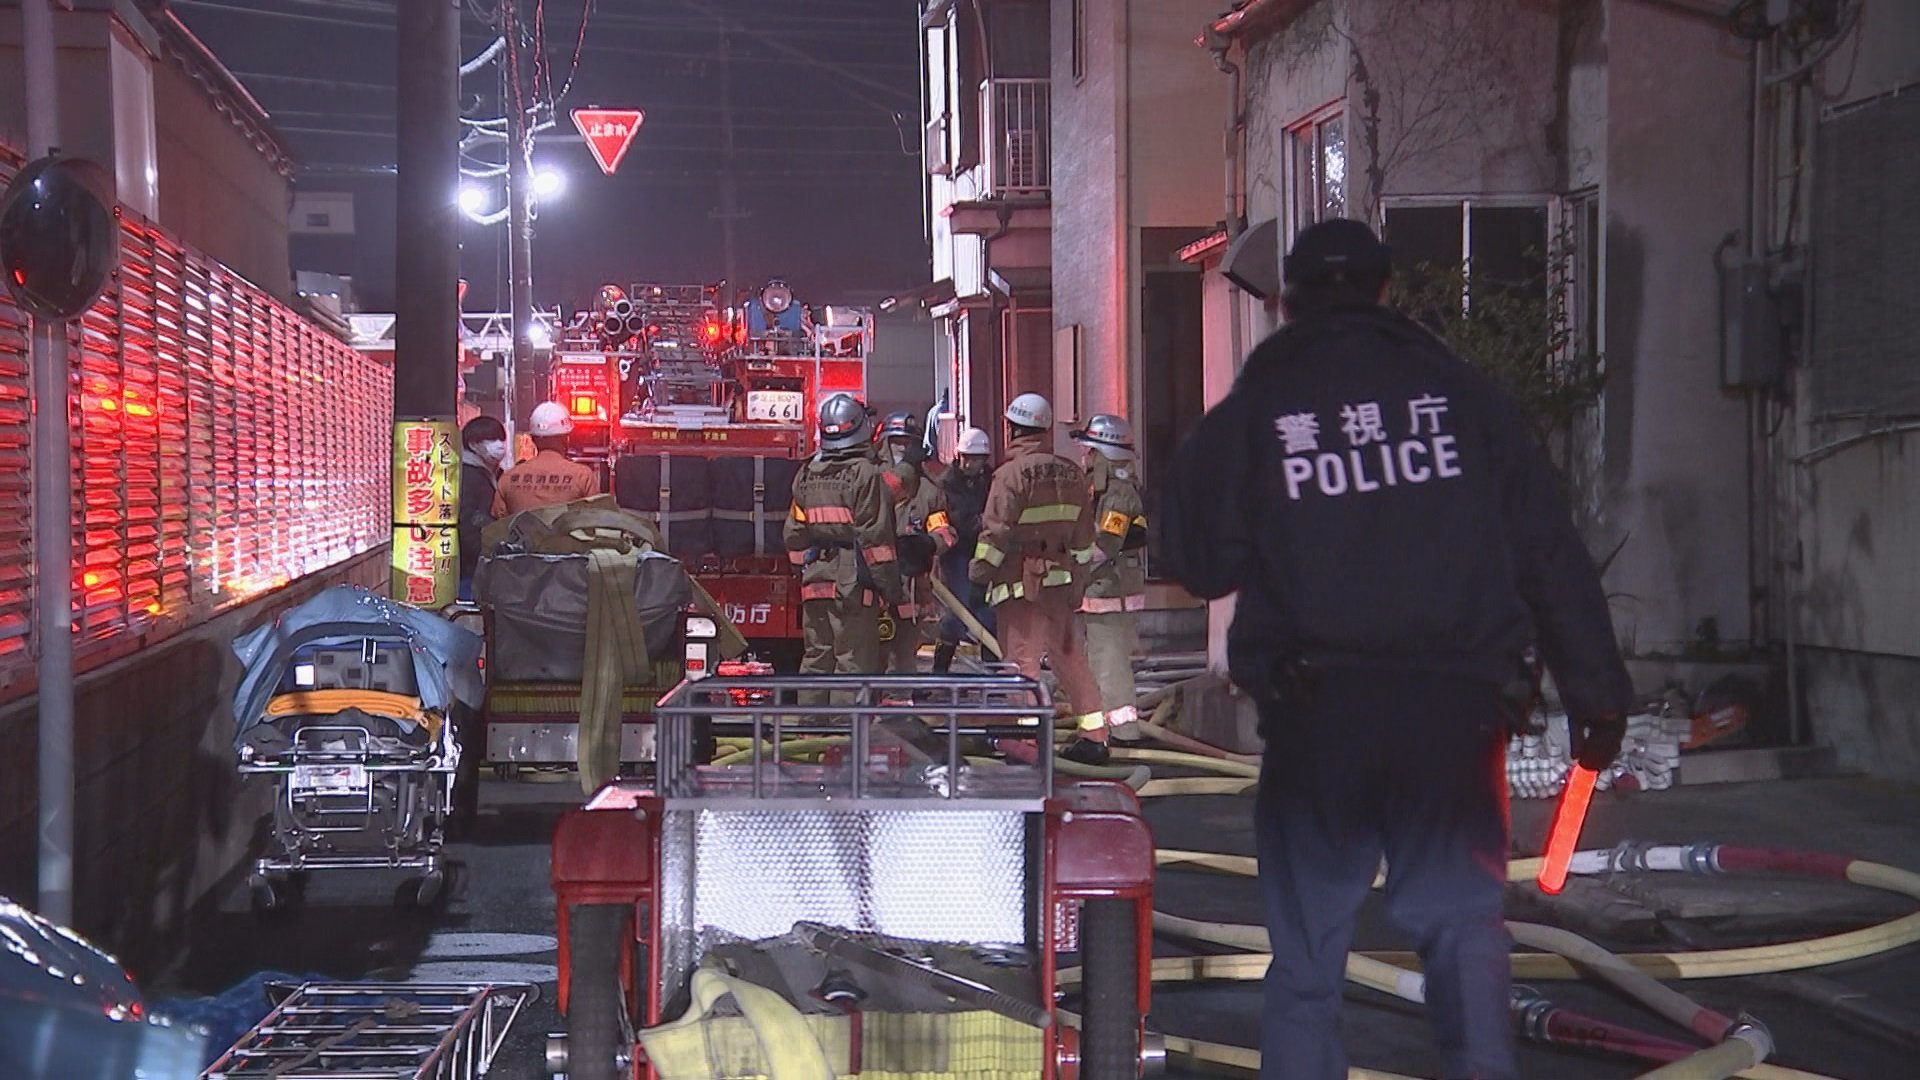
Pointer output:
1112, 605
828, 515
1049, 513
819, 590
799, 515
937, 521
1092, 721
797, 558
989, 554
1057, 577
879, 553
999, 594
1125, 714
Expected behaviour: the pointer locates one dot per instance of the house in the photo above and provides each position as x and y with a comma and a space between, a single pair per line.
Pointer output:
188, 147
988, 157
1729, 196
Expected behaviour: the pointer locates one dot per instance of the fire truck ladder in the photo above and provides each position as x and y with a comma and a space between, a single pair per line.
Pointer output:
392, 1031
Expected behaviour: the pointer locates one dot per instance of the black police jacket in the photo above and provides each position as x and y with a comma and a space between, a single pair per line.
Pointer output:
1379, 504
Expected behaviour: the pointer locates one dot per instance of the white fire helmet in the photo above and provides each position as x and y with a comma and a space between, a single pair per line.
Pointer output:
1030, 410
974, 441
549, 418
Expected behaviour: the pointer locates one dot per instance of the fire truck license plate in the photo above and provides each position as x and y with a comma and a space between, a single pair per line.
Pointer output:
330, 779
782, 406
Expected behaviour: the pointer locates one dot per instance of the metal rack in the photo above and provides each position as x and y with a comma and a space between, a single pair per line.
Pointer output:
945, 710
389, 1031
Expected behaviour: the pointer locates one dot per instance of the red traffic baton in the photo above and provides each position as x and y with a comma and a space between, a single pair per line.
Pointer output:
1567, 822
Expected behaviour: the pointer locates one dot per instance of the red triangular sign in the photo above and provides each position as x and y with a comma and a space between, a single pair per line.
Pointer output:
608, 133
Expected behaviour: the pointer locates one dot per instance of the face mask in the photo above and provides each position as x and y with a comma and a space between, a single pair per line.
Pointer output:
494, 450
897, 454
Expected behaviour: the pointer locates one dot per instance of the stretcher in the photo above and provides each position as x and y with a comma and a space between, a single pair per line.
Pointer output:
364, 773
377, 1031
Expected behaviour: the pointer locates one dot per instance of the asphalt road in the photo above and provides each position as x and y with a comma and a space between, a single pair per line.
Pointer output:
498, 924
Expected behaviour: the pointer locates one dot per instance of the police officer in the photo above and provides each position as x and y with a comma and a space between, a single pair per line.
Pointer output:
1117, 586
1036, 543
964, 484
548, 478
920, 514
841, 530
1396, 537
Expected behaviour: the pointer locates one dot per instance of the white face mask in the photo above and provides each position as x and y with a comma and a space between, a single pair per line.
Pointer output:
494, 450
897, 453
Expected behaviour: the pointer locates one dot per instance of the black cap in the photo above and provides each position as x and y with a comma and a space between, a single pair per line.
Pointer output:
1339, 249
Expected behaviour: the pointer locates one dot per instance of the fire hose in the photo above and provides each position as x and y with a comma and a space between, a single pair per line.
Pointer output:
1737, 1047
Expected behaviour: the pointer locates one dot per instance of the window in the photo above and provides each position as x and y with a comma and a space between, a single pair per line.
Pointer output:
1504, 243
1017, 40
1079, 43
1317, 153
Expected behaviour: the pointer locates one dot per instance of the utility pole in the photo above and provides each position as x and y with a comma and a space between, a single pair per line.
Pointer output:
427, 260
52, 511
426, 349
729, 211
525, 387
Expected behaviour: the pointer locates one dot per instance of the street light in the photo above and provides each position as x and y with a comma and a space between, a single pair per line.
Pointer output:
473, 200
548, 182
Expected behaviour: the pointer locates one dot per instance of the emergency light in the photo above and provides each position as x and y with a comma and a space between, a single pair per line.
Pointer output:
1566, 829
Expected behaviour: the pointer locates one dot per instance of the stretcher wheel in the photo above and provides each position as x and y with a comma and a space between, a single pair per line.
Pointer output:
596, 939
270, 897
1110, 1021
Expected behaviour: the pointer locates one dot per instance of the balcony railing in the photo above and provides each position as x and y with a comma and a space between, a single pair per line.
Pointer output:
1019, 136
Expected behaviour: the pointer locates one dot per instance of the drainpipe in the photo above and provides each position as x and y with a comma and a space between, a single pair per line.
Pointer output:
1220, 612
1005, 215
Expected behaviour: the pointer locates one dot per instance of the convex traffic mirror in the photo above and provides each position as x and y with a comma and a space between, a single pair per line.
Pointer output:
59, 236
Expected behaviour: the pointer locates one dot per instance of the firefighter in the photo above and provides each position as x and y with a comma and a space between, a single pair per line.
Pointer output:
1117, 587
841, 531
920, 515
964, 484
548, 478
1396, 537
1036, 543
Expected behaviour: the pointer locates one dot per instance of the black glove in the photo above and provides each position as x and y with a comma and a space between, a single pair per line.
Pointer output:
1596, 739
916, 551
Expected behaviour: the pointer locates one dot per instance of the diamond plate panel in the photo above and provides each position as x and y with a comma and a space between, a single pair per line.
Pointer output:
952, 876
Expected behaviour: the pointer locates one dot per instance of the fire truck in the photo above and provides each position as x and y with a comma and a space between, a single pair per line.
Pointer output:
699, 413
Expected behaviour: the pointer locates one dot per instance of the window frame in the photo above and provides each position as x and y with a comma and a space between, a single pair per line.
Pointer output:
1304, 151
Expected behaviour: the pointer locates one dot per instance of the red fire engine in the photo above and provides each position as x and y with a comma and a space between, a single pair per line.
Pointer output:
700, 414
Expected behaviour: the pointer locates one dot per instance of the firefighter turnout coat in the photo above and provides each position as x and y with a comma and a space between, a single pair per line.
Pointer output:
841, 531
1036, 534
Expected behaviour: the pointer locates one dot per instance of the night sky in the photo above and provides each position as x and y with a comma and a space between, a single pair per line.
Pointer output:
826, 112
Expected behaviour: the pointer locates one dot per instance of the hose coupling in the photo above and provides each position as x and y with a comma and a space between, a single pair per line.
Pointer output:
1530, 1012
1703, 858
1750, 1030
1628, 857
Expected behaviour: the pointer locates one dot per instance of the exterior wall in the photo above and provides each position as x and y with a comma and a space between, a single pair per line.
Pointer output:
900, 375
1091, 241
1176, 103
175, 157
161, 814
216, 190
1289, 74
1448, 99
1674, 443
1852, 514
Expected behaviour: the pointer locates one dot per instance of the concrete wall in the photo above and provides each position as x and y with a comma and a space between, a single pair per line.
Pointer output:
1091, 241
1853, 513
1449, 98
1674, 443
216, 191
161, 815
900, 374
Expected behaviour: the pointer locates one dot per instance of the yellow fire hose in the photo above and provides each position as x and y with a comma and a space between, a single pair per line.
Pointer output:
1396, 974
1565, 957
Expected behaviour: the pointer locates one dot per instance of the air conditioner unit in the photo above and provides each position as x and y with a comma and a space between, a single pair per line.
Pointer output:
934, 151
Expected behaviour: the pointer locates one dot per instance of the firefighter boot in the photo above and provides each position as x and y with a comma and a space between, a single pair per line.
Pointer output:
1086, 751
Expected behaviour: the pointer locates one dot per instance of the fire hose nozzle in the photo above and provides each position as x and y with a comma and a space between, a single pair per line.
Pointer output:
1750, 1030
